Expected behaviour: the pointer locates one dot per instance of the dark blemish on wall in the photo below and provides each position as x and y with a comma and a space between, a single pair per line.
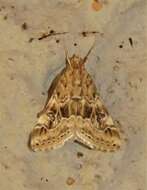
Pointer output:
140, 79
10, 59
115, 169
94, 32
98, 178
3, 7
6, 167
57, 41
117, 61
5, 17
110, 91
43, 93
79, 166
115, 67
135, 132
75, 44
126, 139
30, 40
52, 31
84, 34
132, 85
80, 154
131, 99
70, 181
11, 77
133, 161
42, 179
24, 26
121, 46
97, 58
43, 36
116, 80
131, 41
12, 7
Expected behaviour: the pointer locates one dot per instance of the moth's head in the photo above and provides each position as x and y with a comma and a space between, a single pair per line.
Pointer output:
76, 61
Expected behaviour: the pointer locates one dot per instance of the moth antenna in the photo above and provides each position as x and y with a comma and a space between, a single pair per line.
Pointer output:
66, 55
86, 57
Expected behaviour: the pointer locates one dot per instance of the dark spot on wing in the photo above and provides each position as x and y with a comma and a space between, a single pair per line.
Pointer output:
65, 111
100, 116
87, 111
53, 109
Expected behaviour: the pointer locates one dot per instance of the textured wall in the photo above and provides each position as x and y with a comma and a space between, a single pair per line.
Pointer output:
118, 65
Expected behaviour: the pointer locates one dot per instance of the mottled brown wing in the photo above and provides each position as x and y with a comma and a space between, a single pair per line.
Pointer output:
96, 128
44, 138
52, 129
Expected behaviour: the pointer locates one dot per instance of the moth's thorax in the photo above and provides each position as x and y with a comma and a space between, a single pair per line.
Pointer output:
74, 74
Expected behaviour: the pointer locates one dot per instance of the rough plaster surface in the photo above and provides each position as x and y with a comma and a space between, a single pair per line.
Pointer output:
27, 69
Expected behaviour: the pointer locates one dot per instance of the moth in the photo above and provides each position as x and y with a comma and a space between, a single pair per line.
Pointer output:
74, 110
